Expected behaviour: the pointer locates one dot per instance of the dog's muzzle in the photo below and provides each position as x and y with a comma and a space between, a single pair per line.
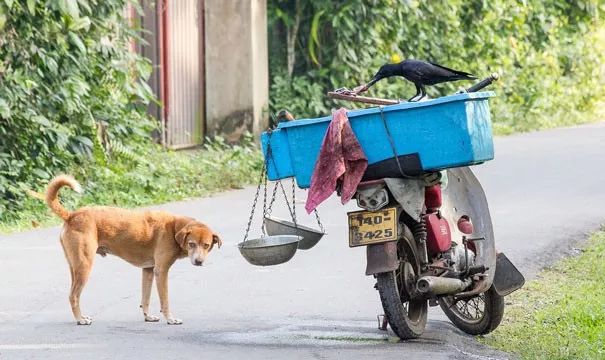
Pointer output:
197, 262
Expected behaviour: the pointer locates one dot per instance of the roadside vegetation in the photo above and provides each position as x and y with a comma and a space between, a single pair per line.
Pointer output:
162, 177
551, 53
73, 99
560, 314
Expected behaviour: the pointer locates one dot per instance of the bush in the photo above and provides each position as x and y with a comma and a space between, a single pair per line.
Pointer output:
71, 92
171, 176
300, 94
551, 53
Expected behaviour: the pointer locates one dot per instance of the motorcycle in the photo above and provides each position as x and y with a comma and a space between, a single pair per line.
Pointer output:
418, 259
428, 234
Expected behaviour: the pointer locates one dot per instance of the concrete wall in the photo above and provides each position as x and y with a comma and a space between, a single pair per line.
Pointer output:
236, 67
260, 82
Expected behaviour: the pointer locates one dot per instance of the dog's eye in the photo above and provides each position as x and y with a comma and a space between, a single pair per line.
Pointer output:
192, 245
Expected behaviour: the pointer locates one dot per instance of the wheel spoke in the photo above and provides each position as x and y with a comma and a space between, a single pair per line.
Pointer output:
400, 281
472, 309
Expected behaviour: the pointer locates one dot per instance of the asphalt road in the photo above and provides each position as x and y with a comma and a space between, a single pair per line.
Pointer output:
545, 191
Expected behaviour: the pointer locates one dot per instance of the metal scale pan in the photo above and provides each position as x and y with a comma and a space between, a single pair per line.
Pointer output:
277, 226
269, 250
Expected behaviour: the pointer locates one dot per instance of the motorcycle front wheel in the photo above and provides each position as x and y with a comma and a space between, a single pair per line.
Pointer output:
407, 317
479, 315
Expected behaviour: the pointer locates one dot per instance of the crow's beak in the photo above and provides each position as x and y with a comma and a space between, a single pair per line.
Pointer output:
374, 80
362, 88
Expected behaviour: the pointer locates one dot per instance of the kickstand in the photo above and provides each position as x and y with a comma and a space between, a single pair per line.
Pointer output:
382, 323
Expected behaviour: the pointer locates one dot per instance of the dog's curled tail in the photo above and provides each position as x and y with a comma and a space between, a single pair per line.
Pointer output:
52, 198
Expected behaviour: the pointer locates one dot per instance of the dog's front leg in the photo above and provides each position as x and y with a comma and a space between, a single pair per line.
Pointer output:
161, 278
146, 294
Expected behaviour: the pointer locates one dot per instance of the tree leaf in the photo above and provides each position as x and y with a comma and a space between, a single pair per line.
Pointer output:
40, 173
69, 7
314, 37
39, 119
5, 111
31, 6
315, 26
84, 6
75, 40
80, 23
84, 140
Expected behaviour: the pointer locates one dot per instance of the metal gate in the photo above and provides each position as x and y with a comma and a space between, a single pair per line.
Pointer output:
182, 72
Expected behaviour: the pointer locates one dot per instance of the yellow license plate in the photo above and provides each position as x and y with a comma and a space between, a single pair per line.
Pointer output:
367, 227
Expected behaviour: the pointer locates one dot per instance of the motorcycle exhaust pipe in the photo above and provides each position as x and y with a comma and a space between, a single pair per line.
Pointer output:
436, 285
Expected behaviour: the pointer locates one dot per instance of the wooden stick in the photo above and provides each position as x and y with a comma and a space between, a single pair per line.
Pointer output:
362, 99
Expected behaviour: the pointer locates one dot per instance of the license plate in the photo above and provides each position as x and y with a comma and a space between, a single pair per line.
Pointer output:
372, 227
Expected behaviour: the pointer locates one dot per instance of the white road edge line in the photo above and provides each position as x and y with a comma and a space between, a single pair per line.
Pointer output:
42, 346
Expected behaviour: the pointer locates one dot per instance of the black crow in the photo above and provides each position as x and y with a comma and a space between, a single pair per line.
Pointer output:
419, 72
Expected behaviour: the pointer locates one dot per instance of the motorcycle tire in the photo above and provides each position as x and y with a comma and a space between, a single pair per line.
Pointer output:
466, 316
406, 317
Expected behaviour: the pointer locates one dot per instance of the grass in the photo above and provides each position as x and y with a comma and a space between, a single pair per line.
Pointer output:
560, 314
162, 176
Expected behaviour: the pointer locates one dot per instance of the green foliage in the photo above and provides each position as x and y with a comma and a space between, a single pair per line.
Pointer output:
171, 176
561, 314
70, 91
551, 53
298, 94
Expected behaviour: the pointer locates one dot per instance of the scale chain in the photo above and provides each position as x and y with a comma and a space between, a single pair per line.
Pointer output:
321, 227
262, 227
292, 213
260, 181
291, 209
293, 203
273, 196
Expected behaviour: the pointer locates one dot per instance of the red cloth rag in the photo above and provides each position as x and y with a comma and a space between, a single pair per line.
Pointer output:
340, 158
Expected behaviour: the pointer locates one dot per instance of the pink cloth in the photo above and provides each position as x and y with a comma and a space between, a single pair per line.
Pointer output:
341, 158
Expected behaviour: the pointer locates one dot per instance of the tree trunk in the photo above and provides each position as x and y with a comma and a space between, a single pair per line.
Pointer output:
291, 35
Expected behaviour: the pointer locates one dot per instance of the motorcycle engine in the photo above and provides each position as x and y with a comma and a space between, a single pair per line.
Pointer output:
457, 257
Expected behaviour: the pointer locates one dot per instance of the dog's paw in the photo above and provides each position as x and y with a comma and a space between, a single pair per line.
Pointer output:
151, 318
85, 320
173, 321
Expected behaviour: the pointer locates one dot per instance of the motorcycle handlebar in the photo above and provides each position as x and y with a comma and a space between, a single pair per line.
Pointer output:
484, 83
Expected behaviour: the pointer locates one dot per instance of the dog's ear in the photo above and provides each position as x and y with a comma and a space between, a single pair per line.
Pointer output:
181, 230
217, 240
181, 236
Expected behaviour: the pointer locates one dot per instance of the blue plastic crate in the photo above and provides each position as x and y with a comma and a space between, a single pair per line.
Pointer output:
446, 132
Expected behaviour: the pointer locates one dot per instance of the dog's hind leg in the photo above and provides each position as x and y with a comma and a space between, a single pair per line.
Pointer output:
146, 294
80, 256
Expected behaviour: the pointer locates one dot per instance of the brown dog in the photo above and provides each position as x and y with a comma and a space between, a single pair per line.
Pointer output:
151, 240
